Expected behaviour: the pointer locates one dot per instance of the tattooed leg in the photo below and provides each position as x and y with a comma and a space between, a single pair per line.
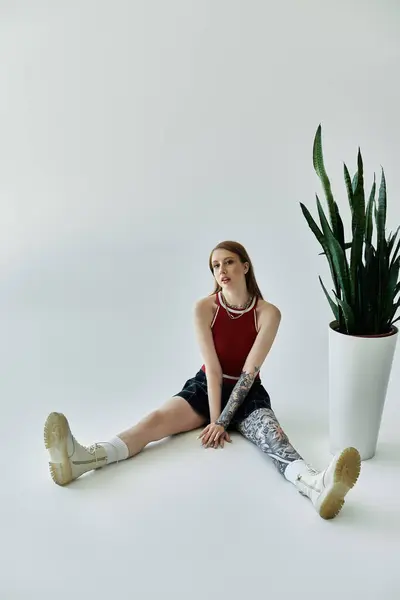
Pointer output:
262, 428
326, 489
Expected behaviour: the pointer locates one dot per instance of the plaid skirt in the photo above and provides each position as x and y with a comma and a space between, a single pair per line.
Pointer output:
195, 392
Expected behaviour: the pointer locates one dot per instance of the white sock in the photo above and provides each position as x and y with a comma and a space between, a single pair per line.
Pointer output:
295, 468
116, 450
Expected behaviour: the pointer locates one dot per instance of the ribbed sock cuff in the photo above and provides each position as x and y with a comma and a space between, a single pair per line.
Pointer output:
116, 450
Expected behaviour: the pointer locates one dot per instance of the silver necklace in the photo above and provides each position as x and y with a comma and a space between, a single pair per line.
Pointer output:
236, 306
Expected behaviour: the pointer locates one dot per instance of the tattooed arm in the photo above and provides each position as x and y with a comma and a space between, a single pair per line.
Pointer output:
269, 324
237, 396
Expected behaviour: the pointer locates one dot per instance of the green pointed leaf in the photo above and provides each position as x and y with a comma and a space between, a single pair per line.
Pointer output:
394, 311
392, 238
321, 238
347, 314
390, 287
346, 247
340, 227
318, 160
333, 306
368, 216
358, 195
381, 212
348, 186
337, 255
354, 182
396, 251
358, 227
313, 226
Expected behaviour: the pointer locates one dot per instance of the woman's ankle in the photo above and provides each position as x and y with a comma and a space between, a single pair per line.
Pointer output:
116, 450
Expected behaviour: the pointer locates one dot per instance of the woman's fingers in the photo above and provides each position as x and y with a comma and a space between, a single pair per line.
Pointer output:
212, 437
204, 432
210, 441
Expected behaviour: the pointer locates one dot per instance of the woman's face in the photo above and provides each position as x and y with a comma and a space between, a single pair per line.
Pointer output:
228, 269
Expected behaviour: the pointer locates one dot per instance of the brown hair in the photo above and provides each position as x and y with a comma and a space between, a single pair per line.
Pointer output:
241, 252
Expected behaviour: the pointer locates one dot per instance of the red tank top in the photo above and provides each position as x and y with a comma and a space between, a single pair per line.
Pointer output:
233, 338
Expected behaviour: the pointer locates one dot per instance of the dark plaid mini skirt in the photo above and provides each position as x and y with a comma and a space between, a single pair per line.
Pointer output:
195, 392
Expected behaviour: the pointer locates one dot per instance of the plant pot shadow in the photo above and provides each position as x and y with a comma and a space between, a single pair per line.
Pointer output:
386, 452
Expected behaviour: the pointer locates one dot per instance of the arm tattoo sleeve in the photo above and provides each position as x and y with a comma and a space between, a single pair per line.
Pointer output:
237, 396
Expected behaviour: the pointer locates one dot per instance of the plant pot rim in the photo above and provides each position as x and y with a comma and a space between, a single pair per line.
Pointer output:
393, 331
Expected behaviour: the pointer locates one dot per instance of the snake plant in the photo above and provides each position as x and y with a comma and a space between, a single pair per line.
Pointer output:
365, 276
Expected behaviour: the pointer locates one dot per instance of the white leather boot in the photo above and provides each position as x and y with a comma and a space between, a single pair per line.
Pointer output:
69, 460
326, 489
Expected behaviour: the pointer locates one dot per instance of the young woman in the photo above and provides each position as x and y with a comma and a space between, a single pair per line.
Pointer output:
235, 328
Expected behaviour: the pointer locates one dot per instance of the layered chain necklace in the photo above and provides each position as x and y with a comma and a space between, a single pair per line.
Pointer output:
242, 307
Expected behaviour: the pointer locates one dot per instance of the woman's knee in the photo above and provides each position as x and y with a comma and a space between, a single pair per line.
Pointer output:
155, 419
175, 416
163, 422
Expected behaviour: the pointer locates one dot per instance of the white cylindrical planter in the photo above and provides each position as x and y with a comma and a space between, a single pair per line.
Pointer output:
359, 373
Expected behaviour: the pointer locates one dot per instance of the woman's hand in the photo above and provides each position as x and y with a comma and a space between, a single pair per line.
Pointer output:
224, 437
214, 436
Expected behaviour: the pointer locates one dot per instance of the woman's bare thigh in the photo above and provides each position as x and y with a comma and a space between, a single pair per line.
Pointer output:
178, 416
173, 417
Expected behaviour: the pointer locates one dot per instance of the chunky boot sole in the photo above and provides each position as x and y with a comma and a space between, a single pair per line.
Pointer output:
56, 431
345, 476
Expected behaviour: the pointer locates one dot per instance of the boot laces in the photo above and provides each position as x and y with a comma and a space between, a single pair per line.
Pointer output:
311, 470
305, 482
301, 479
92, 449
